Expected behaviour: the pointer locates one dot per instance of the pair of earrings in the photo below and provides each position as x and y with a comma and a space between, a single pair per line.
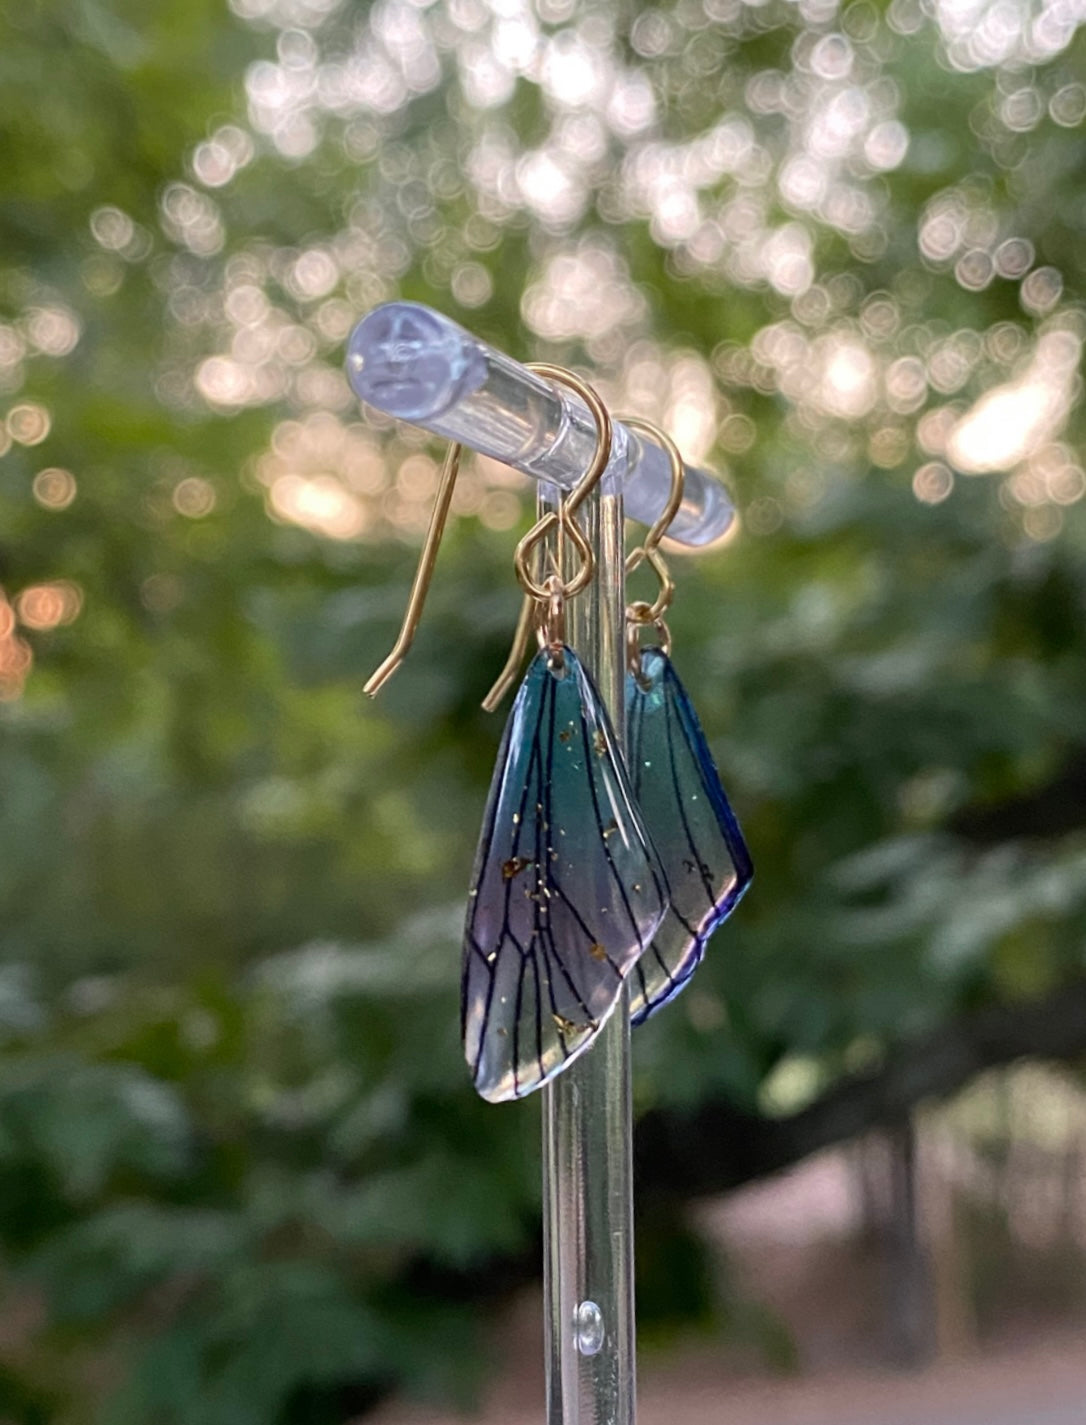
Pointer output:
570, 892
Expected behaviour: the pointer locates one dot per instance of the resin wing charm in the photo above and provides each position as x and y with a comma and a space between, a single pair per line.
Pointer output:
705, 860
567, 890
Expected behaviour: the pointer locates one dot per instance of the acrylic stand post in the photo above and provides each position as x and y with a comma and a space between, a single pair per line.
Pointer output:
416, 365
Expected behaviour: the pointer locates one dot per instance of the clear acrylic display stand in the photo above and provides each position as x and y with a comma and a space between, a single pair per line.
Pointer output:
413, 363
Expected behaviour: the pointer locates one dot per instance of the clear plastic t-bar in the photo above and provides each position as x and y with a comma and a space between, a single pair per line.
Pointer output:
419, 366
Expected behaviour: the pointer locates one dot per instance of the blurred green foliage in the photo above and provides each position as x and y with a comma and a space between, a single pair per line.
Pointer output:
242, 1173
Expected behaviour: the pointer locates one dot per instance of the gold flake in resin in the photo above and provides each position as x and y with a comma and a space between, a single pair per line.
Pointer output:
566, 1027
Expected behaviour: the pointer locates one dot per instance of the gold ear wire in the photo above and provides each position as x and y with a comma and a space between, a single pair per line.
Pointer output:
665, 518
535, 594
521, 640
423, 574
640, 613
563, 518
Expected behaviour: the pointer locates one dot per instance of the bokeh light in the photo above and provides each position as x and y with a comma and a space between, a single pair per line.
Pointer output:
47, 606
54, 489
774, 181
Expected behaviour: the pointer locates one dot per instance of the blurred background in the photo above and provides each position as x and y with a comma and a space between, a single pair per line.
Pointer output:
838, 250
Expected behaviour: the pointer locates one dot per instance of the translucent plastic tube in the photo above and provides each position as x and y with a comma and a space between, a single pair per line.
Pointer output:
416, 365
419, 366
587, 1135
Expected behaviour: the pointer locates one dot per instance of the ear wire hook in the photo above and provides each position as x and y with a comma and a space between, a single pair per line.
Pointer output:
536, 595
539, 597
563, 518
640, 614
423, 574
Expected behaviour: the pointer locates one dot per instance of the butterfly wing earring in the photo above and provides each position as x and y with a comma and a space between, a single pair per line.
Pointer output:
705, 861
567, 891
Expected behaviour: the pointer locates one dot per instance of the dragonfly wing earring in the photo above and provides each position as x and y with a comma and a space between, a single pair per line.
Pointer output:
567, 890
566, 893
705, 861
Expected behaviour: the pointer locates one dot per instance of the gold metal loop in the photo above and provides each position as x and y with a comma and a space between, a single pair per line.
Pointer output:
648, 551
563, 520
640, 614
535, 538
551, 620
655, 560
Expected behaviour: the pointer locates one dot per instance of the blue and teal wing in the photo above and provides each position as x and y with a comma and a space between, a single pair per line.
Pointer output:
705, 861
566, 892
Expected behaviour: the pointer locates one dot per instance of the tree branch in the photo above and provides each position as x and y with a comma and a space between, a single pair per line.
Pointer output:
1043, 813
719, 1146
